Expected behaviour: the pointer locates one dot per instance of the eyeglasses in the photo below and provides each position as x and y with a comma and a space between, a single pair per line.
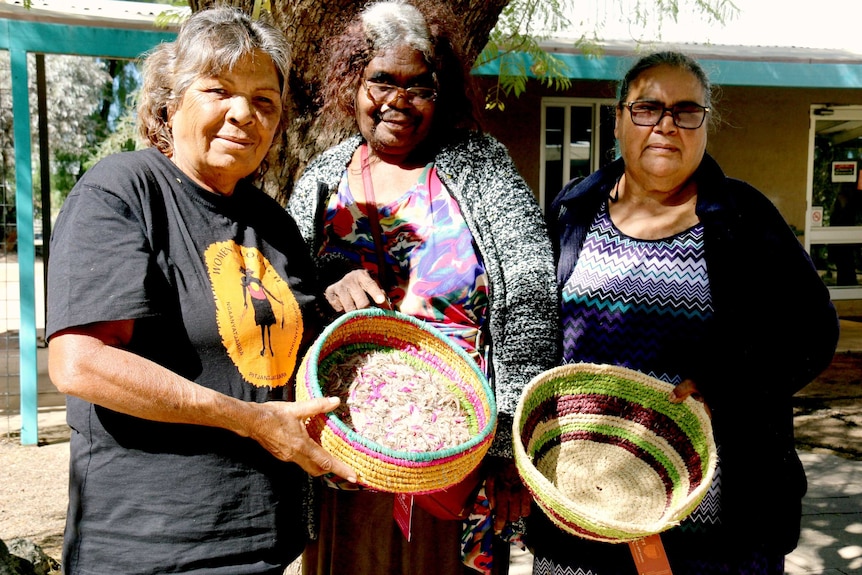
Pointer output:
381, 93
687, 115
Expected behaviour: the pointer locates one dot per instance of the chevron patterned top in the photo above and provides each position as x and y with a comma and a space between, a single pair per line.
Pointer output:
630, 301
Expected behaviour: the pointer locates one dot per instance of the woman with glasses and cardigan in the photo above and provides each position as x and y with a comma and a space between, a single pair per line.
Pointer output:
421, 210
667, 266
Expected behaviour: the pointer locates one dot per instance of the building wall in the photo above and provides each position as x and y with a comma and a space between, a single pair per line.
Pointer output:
761, 137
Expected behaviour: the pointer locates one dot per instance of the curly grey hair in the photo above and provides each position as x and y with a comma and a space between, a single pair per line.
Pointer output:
392, 23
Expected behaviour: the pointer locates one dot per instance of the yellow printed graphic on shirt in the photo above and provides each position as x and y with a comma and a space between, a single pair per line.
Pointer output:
258, 317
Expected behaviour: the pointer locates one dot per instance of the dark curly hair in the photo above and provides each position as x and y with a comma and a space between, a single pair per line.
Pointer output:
430, 29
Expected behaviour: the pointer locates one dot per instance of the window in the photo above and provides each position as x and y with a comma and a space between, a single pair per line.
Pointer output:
577, 139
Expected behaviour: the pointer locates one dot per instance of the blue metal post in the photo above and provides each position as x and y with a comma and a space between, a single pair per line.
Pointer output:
26, 249
21, 37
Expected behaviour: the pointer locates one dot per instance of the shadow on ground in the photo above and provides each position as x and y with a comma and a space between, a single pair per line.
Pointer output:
828, 412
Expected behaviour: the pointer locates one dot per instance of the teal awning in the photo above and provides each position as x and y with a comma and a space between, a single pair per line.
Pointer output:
20, 37
47, 38
786, 68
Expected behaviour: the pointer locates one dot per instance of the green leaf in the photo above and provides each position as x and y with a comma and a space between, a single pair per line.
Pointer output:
516, 41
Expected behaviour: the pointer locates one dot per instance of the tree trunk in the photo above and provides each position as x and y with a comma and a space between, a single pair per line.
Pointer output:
307, 25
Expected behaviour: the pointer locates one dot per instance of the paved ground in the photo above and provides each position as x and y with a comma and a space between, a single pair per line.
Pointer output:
831, 541
828, 412
828, 426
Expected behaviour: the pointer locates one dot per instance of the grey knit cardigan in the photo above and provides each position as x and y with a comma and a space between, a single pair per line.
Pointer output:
508, 228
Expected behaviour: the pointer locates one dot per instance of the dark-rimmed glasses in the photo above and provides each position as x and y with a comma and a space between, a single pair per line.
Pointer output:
381, 93
686, 115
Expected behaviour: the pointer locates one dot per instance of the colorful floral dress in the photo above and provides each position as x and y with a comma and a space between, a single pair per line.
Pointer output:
429, 251
434, 273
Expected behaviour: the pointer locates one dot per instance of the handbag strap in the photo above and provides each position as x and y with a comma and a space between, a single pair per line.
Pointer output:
373, 216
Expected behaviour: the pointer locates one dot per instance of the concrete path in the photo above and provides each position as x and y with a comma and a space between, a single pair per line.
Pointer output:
831, 542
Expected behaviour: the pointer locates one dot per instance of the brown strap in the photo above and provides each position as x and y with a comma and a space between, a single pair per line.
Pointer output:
649, 556
373, 217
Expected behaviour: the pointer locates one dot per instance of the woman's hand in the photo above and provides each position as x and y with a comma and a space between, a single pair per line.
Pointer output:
351, 292
507, 495
688, 388
280, 428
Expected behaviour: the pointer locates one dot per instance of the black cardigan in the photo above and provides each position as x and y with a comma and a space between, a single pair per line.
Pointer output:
774, 330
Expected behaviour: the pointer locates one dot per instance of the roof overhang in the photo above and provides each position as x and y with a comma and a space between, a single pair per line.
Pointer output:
786, 67
105, 28
108, 13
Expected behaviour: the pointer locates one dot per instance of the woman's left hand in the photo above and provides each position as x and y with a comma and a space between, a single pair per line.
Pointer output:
356, 290
688, 388
507, 495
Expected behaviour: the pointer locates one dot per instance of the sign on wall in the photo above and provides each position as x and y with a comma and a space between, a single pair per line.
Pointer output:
816, 216
843, 171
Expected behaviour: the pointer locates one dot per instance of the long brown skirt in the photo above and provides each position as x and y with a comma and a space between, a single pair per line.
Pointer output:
358, 536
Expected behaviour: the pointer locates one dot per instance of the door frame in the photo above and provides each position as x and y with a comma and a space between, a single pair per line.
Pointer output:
815, 235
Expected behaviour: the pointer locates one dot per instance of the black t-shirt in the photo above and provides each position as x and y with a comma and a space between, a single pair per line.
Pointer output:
222, 292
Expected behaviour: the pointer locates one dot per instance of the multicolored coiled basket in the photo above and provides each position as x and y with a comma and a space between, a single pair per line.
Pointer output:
607, 456
377, 466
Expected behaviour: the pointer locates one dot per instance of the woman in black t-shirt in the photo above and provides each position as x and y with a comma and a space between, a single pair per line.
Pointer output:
187, 451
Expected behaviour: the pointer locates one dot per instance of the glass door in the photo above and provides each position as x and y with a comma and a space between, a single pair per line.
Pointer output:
833, 228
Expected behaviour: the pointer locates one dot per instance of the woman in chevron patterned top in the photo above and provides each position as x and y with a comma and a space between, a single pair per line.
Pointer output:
659, 256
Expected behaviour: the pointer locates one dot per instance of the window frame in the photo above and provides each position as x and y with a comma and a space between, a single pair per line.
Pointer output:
567, 104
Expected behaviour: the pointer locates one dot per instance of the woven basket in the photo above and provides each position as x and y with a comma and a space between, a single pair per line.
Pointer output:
607, 456
377, 466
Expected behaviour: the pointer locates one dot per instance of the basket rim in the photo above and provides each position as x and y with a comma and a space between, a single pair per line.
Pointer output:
338, 427
560, 508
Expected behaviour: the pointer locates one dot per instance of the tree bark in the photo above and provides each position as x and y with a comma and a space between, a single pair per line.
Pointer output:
308, 24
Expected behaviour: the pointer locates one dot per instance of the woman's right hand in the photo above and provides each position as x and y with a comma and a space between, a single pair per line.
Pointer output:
280, 428
685, 389
352, 292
